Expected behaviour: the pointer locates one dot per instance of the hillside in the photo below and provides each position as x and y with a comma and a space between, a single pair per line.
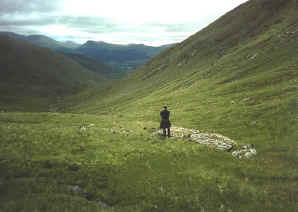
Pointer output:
237, 77
95, 66
71, 44
31, 76
228, 58
43, 41
125, 57
100, 152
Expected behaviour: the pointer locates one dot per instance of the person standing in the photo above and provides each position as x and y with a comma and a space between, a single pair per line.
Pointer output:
165, 123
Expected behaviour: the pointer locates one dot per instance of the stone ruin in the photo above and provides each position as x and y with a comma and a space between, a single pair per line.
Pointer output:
212, 140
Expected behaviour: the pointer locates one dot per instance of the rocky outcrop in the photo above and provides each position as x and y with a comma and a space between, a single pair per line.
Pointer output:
212, 140
246, 151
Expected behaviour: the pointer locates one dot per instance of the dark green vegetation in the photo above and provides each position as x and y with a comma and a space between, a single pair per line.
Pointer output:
32, 77
43, 41
125, 57
95, 66
237, 77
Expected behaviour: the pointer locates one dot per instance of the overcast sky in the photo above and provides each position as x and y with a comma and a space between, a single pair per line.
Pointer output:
152, 22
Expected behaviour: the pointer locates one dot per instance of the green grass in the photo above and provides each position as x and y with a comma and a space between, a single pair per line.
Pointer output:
32, 78
135, 172
210, 83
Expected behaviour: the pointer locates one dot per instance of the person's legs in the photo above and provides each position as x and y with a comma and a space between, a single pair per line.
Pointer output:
169, 132
164, 131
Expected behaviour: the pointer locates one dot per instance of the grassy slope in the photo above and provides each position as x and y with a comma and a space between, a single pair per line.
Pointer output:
31, 77
210, 83
96, 66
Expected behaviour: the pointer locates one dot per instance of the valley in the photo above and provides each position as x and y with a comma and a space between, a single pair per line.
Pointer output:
72, 139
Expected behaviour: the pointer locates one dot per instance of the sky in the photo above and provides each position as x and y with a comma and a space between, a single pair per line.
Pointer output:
150, 22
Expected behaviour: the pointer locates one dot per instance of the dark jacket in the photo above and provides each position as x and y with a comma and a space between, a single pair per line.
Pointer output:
165, 119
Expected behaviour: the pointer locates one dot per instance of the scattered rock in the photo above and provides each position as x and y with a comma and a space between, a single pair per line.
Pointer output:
187, 136
83, 128
212, 140
253, 56
248, 151
76, 189
127, 132
115, 131
103, 204
158, 133
293, 32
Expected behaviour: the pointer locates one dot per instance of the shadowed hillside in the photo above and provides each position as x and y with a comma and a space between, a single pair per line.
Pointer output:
95, 66
126, 57
32, 76
123, 58
43, 41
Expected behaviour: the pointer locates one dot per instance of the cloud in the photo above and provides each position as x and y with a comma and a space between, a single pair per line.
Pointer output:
135, 21
22, 21
28, 6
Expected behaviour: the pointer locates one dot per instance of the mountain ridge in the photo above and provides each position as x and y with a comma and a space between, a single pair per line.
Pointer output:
42, 40
125, 58
40, 74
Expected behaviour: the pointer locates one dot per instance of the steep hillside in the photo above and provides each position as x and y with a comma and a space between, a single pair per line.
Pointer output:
95, 66
31, 77
237, 77
123, 58
126, 57
249, 53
